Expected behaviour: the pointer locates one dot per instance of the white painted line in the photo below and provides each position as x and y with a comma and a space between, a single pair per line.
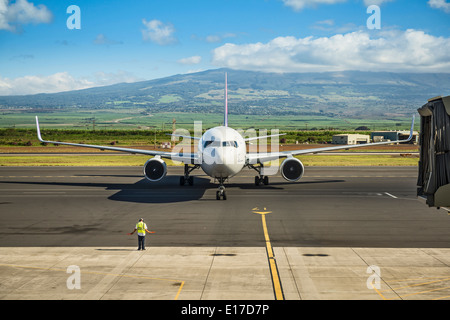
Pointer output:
390, 195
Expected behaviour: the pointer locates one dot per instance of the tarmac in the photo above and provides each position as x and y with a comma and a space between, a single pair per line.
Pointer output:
338, 234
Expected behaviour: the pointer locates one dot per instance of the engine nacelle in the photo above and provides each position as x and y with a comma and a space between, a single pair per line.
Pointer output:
292, 169
155, 169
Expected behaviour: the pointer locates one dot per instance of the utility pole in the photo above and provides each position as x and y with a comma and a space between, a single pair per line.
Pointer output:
174, 124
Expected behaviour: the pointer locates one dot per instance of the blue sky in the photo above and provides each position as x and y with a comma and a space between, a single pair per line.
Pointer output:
126, 41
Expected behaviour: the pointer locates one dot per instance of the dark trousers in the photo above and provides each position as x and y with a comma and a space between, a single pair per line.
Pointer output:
141, 242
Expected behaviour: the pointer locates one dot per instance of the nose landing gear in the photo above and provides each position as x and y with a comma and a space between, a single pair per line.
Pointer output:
220, 193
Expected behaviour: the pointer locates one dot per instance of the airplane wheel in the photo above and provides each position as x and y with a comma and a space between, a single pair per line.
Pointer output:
218, 195
224, 196
257, 181
266, 180
191, 181
182, 181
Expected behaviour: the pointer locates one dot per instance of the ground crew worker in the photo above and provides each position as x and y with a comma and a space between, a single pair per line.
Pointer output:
141, 228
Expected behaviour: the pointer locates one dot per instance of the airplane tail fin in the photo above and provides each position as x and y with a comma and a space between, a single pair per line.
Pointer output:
225, 120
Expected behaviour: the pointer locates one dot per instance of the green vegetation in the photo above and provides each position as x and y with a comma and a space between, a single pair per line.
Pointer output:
307, 107
138, 160
138, 119
149, 137
168, 98
77, 160
358, 160
333, 97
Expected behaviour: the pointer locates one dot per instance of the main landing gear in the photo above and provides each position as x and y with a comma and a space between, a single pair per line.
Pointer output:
259, 179
187, 178
220, 193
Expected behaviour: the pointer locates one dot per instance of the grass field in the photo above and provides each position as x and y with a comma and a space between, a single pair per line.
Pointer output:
152, 137
139, 160
136, 128
139, 118
76, 160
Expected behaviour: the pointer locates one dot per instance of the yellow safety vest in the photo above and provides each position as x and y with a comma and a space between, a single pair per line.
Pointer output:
140, 227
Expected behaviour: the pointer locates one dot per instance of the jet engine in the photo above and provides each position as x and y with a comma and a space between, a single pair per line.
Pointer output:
292, 169
155, 169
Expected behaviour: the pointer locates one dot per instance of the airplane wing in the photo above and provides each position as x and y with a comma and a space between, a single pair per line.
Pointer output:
182, 157
264, 157
263, 137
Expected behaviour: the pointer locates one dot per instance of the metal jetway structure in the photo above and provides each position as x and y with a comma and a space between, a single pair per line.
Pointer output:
434, 166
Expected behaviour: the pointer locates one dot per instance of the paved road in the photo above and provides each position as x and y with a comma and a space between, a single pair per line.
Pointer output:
339, 233
337, 207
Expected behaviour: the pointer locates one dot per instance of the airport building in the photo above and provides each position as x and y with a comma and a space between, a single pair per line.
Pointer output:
376, 136
350, 139
380, 136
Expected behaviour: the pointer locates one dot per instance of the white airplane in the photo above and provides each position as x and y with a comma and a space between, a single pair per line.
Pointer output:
222, 153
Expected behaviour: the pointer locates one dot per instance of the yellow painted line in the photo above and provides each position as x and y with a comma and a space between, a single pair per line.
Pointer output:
379, 293
179, 290
440, 298
100, 273
414, 285
270, 255
420, 284
425, 291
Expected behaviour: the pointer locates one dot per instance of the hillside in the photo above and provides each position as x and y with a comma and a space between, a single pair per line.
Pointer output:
332, 94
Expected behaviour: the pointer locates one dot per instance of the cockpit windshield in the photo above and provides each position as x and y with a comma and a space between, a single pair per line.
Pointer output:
220, 144
229, 144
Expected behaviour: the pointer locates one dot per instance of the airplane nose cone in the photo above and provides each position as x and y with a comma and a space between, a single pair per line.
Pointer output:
224, 156
221, 162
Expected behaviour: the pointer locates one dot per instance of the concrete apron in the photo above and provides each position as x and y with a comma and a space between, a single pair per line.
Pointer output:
223, 273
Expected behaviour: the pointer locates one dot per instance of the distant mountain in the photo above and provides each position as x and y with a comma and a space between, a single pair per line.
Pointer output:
359, 94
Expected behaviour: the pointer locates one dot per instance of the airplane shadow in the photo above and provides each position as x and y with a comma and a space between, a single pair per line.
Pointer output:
281, 185
166, 191
143, 191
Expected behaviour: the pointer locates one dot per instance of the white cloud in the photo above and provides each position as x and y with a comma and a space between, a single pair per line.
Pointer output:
59, 82
195, 70
13, 15
219, 38
329, 22
101, 39
329, 26
440, 4
298, 5
396, 51
106, 78
190, 60
214, 38
375, 2
158, 32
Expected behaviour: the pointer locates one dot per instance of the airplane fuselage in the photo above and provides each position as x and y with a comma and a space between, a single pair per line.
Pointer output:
223, 152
